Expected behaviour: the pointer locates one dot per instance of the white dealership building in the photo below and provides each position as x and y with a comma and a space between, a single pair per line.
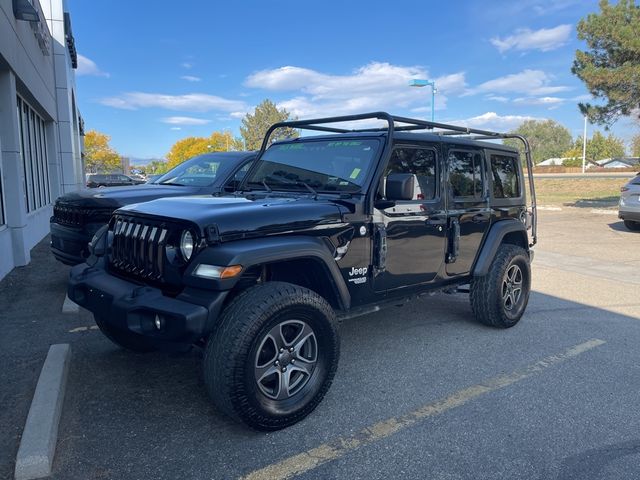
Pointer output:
40, 126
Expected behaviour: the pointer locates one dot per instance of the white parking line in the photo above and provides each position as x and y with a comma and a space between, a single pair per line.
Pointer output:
332, 450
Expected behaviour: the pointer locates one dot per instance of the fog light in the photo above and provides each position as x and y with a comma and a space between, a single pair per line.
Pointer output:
158, 322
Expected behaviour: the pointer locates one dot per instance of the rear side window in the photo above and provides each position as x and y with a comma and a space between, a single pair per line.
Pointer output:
504, 176
422, 163
465, 173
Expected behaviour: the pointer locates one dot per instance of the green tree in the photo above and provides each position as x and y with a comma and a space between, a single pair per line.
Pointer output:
157, 167
610, 68
547, 139
599, 147
100, 157
635, 145
254, 127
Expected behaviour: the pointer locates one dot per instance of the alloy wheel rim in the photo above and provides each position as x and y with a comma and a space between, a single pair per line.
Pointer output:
285, 359
512, 287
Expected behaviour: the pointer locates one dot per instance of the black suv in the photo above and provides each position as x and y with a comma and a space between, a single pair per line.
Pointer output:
321, 228
77, 216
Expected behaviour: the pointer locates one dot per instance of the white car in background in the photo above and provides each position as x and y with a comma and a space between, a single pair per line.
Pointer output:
629, 208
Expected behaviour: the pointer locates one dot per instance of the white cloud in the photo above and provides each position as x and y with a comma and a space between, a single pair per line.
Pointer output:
196, 102
86, 66
495, 122
190, 78
497, 98
185, 121
548, 101
544, 39
529, 82
375, 86
175, 128
186, 65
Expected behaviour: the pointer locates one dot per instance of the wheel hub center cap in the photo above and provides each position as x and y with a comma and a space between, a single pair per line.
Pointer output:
285, 358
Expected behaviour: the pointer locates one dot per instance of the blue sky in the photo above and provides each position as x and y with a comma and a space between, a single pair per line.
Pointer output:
152, 73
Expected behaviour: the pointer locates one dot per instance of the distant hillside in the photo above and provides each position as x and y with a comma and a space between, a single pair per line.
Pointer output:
138, 162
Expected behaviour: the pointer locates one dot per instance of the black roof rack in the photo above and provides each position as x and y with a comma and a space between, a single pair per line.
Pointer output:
397, 123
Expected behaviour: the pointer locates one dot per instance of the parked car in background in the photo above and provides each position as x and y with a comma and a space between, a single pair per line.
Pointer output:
78, 215
629, 207
111, 180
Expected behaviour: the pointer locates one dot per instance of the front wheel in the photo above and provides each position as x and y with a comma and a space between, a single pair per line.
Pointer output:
499, 298
273, 356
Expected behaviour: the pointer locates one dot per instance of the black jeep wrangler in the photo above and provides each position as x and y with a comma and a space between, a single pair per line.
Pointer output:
321, 228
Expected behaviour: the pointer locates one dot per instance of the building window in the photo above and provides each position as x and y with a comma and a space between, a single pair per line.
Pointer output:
2, 219
33, 150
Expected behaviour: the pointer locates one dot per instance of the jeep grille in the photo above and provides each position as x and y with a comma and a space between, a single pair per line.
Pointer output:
138, 247
75, 216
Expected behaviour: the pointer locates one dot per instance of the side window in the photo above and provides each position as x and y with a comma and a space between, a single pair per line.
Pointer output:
465, 173
504, 174
422, 163
239, 176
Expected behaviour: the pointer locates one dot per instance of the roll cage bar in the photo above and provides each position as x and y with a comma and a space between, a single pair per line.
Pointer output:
411, 124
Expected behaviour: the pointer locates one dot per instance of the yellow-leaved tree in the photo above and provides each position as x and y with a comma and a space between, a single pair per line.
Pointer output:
192, 146
100, 157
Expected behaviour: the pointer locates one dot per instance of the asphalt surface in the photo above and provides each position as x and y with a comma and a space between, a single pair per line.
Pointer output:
481, 403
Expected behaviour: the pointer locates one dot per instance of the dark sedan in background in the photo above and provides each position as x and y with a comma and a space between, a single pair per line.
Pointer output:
77, 216
111, 180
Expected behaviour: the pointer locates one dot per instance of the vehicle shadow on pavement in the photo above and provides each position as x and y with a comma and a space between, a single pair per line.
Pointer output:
148, 416
619, 227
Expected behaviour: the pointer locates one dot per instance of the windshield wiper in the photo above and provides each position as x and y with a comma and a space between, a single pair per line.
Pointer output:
172, 183
308, 187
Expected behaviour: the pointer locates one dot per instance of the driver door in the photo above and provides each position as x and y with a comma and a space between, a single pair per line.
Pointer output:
415, 229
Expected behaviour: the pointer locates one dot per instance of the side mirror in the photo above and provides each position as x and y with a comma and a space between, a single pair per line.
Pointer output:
400, 186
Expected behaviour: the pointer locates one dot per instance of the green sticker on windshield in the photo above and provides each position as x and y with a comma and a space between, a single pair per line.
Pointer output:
355, 173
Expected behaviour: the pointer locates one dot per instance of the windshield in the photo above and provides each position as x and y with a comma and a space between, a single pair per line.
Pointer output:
199, 171
320, 165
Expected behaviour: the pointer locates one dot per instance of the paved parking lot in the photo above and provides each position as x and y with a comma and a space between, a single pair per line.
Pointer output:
422, 391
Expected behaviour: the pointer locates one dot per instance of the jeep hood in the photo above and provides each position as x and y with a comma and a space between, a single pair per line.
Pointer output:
120, 196
239, 217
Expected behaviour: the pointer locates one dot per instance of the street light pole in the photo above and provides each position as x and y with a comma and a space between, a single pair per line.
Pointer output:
584, 145
432, 84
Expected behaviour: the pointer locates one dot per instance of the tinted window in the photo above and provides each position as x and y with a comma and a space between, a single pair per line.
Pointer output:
199, 171
465, 175
420, 162
504, 174
324, 165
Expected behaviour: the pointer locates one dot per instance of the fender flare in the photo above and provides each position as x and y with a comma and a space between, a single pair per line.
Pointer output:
492, 241
252, 252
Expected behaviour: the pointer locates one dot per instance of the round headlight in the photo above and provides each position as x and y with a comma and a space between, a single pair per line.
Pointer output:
186, 245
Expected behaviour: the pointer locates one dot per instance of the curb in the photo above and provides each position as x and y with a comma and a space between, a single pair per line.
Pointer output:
69, 306
38, 443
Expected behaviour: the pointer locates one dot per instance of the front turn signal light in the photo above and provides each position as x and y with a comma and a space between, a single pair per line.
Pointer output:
214, 271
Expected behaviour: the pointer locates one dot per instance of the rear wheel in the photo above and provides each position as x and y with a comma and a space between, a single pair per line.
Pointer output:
124, 338
273, 356
499, 298
633, 226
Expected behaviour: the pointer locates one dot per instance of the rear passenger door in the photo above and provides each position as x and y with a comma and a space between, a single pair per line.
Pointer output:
468, 212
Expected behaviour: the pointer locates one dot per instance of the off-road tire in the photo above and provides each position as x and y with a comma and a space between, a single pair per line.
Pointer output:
231, 354
633, 226
127, 340
486, 292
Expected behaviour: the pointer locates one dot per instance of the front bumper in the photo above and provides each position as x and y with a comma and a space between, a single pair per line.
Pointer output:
128, 306
68, 244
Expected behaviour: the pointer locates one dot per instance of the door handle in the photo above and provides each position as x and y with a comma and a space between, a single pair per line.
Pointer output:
480, 217
436, 220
